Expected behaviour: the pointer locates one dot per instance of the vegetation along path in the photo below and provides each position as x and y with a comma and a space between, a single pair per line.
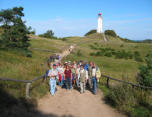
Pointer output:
73, 104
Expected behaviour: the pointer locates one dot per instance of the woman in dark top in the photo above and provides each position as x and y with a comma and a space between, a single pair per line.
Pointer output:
68, 76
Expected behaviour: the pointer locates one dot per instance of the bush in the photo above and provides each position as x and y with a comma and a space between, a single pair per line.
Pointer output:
110, 33
79, 53
121, 45
145, 74
108, 54
90, 32
92, 54
48, 34
135, 103
137, 57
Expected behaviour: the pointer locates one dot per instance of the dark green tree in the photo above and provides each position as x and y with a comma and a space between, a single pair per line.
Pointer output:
110, 33
48, 34
15, 32
145, 74
90, 32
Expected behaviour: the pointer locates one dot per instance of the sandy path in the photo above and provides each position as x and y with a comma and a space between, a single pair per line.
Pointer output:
73, 104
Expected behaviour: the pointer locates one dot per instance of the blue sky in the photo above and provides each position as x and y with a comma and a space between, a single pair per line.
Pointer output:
129, 18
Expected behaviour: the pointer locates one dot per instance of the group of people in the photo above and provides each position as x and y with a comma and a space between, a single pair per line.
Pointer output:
74, 74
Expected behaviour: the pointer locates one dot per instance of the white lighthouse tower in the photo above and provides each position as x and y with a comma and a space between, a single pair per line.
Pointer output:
99, 27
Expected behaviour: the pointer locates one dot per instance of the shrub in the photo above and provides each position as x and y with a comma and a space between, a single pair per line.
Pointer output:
121, 45
92, 54
108, 54
110, 33
145, 74
48, 34
137, 57
120, 96
90, 32
79, 53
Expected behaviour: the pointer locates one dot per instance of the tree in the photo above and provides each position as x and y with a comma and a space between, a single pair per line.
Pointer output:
145, 74
90, 32
110, 33
48, 34
15, 32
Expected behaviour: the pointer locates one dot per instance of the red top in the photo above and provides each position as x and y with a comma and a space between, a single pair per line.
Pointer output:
99, 14
67, 73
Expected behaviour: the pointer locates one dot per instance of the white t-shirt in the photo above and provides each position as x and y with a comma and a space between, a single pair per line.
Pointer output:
93, 72
53, 72
78, 72
60, 69
81, 71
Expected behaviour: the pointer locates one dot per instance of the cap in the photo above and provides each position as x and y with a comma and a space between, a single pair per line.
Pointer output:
54, 64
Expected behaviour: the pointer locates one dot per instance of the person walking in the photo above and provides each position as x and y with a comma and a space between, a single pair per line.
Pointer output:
61, 74
83, 78
90, 74
73, 70
53, 74
68, 77
94, 81
77, 75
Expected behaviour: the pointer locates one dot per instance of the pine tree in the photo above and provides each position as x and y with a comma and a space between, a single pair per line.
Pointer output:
15, 32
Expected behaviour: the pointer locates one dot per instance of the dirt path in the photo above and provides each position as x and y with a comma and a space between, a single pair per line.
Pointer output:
73, 104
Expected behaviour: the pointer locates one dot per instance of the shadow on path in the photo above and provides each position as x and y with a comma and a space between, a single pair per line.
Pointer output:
13, 107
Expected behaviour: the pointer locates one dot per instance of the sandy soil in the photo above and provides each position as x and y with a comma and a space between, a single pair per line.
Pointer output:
73, 104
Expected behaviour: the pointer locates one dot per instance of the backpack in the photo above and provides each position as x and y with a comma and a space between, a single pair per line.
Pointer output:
47, 73
98, 73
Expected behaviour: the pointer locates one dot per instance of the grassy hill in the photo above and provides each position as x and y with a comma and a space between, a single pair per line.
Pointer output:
109, 65
15, 65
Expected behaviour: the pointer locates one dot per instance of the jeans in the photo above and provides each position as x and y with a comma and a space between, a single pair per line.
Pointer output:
68, 83
52, 86
62, 81
77, 81
82, 87
94, 83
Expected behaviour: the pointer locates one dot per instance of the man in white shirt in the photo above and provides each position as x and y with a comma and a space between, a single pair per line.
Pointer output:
53, 74
93, 80
83, 78
77, 74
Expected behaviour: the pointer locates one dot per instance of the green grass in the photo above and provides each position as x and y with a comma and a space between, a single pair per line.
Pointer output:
15, 65
109, 65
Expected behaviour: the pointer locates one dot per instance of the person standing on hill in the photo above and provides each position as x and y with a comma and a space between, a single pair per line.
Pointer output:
61, 74
83, 78
73, 70
90, 74
68, 77
77, 74
53, 74
93, 80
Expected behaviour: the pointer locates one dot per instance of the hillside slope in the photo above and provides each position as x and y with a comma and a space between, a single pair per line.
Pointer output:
109, 65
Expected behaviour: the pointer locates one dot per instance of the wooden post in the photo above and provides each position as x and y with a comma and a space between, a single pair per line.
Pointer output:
28, 90
108, 82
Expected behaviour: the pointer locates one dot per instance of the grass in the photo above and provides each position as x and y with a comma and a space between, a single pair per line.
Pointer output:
109, 65
15, 65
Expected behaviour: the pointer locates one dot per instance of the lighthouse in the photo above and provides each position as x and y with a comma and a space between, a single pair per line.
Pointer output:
99, 26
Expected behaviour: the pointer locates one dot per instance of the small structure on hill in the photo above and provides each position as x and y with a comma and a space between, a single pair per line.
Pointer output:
99, 26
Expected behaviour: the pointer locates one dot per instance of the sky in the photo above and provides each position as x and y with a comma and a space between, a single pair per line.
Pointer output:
130, 19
